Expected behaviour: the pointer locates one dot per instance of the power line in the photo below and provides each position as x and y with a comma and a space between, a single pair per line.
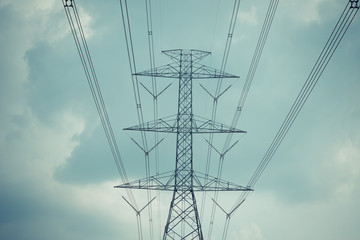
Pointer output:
89, 70
183, 219
235, 11
155, 104
253, 66
331, 45
85, 57
251, 73
326, 54
135, 83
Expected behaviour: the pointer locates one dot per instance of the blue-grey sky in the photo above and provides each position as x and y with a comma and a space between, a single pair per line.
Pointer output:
56, 169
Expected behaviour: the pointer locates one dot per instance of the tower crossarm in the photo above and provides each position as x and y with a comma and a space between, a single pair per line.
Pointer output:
166, 125
165, 182
202, 72
199, 125
177, 54
183, 222
199, 71
166, 71
203, 125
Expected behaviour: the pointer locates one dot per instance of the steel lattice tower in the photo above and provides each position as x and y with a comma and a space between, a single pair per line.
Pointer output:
183, 219
183, 212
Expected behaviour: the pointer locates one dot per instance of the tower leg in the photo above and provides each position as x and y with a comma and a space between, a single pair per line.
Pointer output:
183, 220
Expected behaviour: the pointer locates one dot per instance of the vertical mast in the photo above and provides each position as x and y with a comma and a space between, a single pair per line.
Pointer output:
183, 219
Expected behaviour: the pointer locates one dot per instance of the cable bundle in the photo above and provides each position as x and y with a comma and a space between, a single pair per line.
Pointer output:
327, 52
85, 57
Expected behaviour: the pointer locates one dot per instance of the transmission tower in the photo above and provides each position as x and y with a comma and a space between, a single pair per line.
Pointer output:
183, 219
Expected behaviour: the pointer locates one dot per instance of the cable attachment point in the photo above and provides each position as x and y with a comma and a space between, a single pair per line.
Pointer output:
143, 149
222, 154
138, 212
218, 96
152, 94
68, 3
354, 4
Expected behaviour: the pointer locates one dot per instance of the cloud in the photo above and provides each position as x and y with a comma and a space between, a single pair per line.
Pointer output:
37, 204
37, 148
90, 162
347, 163
33, 204
249, 232
249, 17
54, 179
307, 11
310, 11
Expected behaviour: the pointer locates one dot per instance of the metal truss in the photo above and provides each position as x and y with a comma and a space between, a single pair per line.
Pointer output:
183, 219
199, 125
199, 72
165, 182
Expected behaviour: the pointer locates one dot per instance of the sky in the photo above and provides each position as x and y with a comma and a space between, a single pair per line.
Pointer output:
56, 169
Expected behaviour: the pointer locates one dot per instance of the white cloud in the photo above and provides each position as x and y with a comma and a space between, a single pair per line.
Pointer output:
307, 11
249, 17
347, 164
30, 22
249, 232
40, 207
42, 20
33, 20
86, 23
31, 149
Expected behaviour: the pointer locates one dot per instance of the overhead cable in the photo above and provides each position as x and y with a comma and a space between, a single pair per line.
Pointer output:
154, 94
217, 94
251, 73
85, 57
253, 66
331, 45
326, 54
136, 89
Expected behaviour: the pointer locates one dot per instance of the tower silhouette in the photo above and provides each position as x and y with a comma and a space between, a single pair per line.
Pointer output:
183, 219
